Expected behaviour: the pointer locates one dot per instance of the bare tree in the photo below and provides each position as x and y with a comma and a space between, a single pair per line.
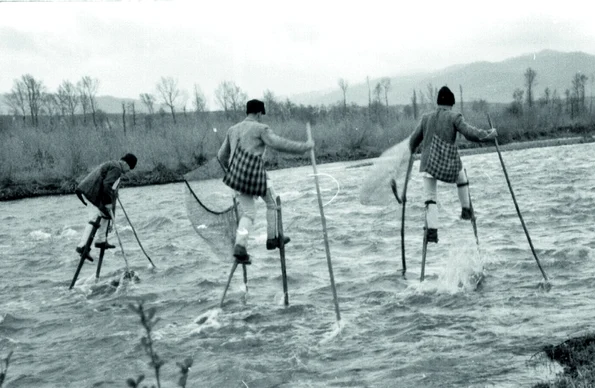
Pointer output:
83, 100
530, 75
272, 104
369, 93
124, 117
432, 93
422, 100
344, 85
578, 93
34, 92
89, 87
17, 99
237, 97
51, 105
168, 89
199, 101
545, 99
230, 97
516, 107
149, 101
69, 99
414, 105
385, 82
132, 109
222, 97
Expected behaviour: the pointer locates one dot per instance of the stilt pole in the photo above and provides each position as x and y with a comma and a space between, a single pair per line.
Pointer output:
282, 251
86, 250
323, 220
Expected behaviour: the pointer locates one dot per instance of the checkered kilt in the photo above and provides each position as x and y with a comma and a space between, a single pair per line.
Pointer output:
444, 162
246, 173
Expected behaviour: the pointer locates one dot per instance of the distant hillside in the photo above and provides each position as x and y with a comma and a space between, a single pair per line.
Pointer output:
491, 81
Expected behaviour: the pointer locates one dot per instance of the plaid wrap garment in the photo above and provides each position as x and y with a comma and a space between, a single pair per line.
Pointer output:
444, 162
246, 173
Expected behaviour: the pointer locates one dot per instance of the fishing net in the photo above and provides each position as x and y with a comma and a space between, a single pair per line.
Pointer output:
391, 166
211, 213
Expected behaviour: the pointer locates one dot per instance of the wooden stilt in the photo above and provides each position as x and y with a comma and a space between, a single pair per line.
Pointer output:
282, 251
424, 249
233, 269
473, 218
423, 256
99, 262
245, 273
86, 250
235, 263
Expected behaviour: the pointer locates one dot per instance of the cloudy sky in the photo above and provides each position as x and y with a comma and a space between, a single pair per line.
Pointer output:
288, 49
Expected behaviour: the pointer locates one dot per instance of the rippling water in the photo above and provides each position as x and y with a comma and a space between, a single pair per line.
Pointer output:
395, 332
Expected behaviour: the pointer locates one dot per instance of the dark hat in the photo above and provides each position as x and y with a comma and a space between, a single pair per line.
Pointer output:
445, 97
255, 106
130, 159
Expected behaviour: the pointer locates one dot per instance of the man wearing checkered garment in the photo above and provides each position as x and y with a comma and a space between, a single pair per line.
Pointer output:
242, 155
440, 160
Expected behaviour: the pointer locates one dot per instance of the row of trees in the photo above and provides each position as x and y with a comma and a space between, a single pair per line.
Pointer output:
30, 98
574, 103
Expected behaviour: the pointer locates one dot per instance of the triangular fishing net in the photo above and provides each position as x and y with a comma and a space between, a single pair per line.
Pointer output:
392, 165
211, 213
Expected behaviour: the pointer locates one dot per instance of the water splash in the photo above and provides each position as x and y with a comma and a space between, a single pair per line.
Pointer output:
40, 235
338, 328
208, 320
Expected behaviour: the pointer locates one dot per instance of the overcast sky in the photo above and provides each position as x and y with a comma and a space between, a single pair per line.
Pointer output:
262, 45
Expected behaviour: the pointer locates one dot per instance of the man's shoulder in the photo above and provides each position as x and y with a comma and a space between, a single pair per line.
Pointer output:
248, 123
110, 165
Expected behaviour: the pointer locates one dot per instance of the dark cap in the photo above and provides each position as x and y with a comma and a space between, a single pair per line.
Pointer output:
130, 159
255, 106
445, 97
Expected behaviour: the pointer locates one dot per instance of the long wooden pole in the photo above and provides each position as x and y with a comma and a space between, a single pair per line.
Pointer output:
281, 238
424, 251
323, 220
403, 262
473, 219
135, 235
517, 209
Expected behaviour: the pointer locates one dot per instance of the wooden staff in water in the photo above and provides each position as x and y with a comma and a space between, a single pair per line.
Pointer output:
325, 235
518, 211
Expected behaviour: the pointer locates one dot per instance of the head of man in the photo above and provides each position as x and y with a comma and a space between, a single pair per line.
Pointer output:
255, 107
445, 97
130, 162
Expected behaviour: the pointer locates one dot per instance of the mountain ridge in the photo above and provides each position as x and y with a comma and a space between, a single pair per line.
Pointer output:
494, 82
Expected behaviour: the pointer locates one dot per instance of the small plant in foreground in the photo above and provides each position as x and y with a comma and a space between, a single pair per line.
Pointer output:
148, 321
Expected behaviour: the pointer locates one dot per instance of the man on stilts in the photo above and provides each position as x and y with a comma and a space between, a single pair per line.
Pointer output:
440, 160
100, 188
242, 155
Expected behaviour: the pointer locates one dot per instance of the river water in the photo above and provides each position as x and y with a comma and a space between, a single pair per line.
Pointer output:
393, 332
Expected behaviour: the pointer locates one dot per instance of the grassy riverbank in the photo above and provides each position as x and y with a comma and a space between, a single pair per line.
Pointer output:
41, 161
577, 357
